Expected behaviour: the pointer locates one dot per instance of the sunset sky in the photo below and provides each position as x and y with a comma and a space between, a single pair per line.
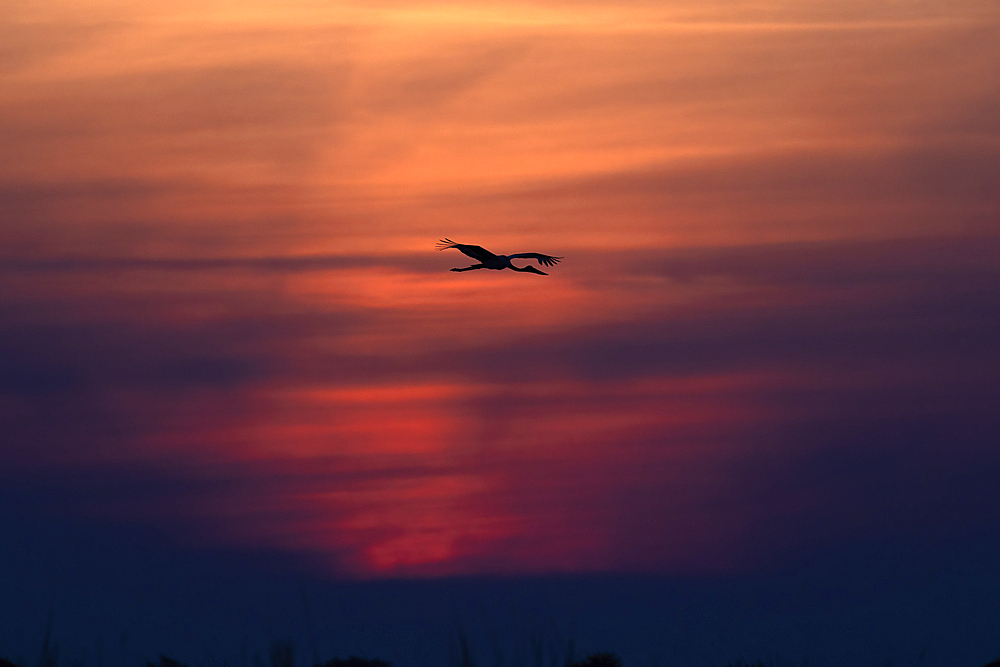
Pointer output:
775, 331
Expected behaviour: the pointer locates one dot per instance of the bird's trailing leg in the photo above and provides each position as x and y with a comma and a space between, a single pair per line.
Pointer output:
469, 268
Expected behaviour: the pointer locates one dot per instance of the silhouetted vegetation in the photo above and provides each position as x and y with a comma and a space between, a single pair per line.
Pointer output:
165, 662
598, 660
50, 652
355, 661
592, 660
760, 663
282, 654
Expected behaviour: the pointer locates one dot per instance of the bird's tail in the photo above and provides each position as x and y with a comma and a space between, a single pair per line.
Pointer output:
446, 243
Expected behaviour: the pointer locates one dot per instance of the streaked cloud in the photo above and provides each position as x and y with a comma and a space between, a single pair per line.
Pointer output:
221, 313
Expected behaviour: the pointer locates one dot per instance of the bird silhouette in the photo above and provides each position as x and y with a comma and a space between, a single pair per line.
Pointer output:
488, 260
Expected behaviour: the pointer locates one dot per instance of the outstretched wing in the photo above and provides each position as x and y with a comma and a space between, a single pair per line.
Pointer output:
544, 260
473, 251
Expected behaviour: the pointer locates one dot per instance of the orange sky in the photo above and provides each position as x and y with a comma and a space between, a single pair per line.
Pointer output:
218, 237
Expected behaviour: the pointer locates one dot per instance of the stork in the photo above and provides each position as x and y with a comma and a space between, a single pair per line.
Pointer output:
488, 260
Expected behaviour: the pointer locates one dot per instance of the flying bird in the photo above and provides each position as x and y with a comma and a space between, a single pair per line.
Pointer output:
490, 261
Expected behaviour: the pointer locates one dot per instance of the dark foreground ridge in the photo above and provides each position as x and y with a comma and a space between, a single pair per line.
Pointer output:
281, 658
